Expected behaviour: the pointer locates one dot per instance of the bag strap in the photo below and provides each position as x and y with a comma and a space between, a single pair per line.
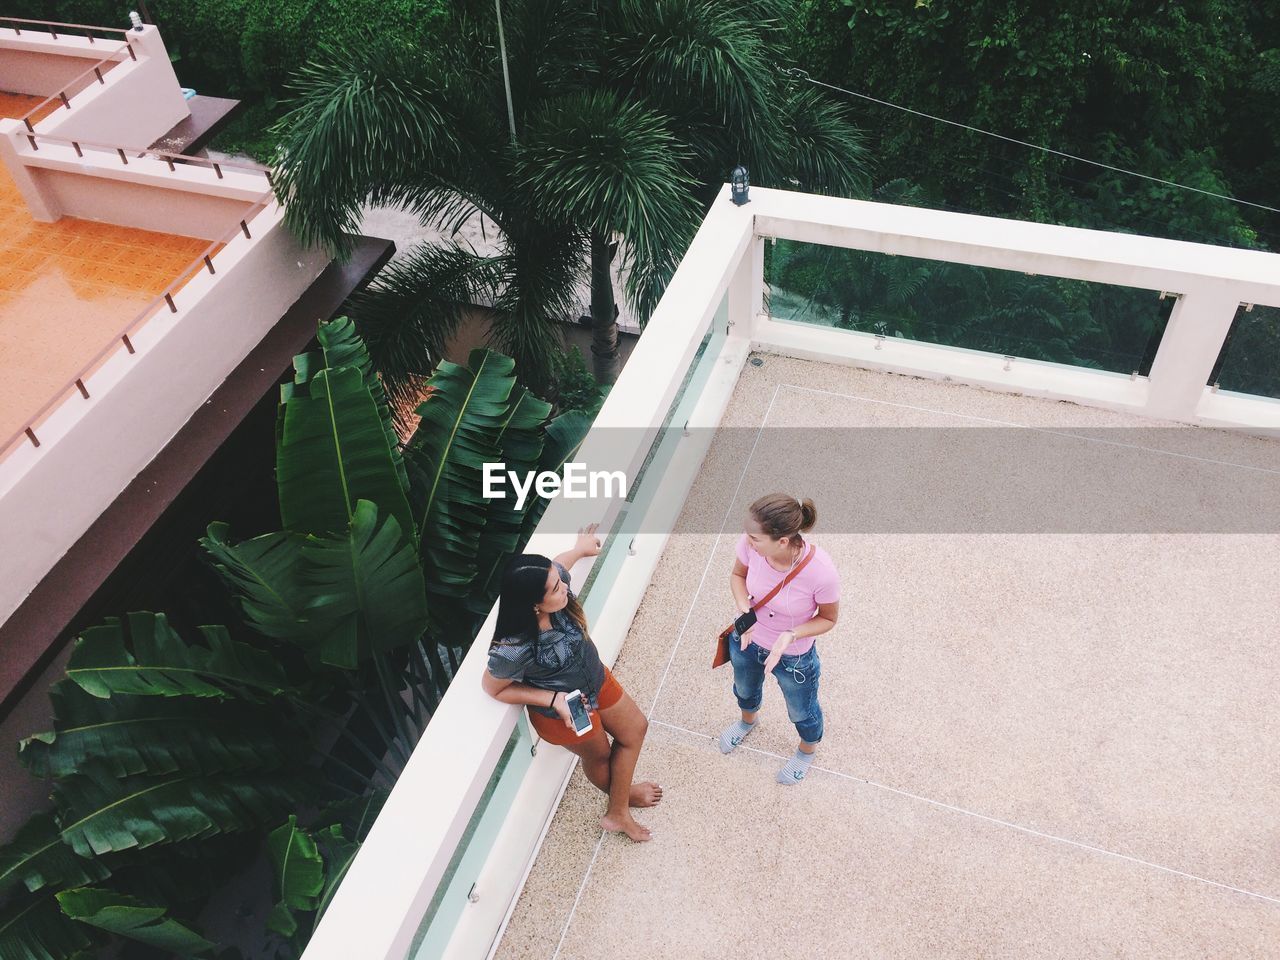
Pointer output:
787, 579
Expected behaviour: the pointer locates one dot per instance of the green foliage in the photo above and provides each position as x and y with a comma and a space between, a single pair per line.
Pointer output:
166, 749
32, 928
368, 588
333, 452
1156, 88
132, 919
160, 663
300, 874
576, 388
132, 735
628, 117
37, 858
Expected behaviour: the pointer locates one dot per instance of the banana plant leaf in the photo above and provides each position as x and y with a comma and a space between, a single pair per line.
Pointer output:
33, 928
300, 874
339, 852
130, 735
520, 444
101, 814
343, 347
162, 664
562, 438
461, 418
368, 588
37, 857
265, 575
132, 918
333, 451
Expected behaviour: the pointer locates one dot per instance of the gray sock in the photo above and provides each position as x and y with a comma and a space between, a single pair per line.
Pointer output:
794, 770
734, 735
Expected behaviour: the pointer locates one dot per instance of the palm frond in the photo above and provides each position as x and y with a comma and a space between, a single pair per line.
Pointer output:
817, 146
371, 115
611, 166
409, 313
707, 65
544, 264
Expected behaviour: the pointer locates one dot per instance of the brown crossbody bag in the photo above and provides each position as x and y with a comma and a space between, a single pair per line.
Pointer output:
748, 619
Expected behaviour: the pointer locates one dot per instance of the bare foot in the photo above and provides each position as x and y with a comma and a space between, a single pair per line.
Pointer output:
645, 794
626, 824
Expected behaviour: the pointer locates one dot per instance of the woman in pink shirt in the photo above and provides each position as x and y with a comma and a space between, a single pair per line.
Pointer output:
781, 641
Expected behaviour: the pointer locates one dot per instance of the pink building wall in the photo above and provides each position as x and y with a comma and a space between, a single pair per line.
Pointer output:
181, 211
138, 103
39, 67
90, 449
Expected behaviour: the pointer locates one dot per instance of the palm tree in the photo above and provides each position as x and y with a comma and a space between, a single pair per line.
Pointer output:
628, 116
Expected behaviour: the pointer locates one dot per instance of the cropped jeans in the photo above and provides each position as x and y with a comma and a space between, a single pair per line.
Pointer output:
797, 677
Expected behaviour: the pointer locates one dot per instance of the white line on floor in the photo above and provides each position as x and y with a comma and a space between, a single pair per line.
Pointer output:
982, 816
675, 648
1023, 426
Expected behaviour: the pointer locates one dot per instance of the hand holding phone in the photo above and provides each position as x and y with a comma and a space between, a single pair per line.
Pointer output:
579, 716
742, 625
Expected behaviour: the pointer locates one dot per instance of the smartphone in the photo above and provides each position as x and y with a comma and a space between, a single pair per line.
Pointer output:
578, 712
744, 622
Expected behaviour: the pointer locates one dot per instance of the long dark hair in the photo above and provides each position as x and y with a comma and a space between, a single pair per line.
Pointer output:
524, 584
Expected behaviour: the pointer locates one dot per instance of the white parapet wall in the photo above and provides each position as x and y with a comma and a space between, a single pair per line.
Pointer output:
381, 903
1209, 282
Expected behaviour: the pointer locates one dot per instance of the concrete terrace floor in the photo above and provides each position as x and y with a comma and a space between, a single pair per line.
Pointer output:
1037, 745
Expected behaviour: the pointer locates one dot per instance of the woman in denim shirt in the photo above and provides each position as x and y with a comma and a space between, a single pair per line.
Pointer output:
781, 641
542, 650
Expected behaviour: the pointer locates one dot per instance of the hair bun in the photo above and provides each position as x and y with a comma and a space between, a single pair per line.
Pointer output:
808, 515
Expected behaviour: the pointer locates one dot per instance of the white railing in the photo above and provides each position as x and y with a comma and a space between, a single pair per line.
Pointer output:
1210, 284
391, 884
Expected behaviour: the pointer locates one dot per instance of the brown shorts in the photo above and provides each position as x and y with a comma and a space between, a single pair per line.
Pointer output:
553, 730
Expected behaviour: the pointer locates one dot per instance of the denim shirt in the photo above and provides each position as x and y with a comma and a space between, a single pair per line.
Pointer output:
560, 659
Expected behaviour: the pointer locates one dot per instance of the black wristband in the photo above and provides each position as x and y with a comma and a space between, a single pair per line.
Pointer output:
552, 704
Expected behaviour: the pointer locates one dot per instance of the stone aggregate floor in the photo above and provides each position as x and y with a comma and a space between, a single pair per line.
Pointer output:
1054, 742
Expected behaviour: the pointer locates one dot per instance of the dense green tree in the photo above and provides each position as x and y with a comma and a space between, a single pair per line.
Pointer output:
1148, 85
627, 116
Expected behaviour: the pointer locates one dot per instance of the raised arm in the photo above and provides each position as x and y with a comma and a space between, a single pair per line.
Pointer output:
587, 545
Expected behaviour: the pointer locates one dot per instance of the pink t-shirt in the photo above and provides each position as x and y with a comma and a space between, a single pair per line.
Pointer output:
796, 603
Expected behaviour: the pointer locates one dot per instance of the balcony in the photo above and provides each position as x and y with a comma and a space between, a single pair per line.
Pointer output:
1049, 699
134, 281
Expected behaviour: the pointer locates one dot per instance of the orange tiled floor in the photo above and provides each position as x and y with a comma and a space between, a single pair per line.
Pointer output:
17, 105
66, 289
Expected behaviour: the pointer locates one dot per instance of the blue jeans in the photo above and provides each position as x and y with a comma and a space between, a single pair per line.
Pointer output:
797, 676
